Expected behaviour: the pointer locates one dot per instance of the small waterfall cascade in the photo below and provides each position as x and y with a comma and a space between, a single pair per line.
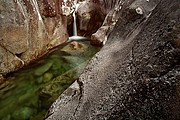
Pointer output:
74, 24
75, 37
74, 18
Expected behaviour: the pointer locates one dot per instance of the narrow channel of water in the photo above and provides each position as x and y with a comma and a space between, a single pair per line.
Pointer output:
29, 92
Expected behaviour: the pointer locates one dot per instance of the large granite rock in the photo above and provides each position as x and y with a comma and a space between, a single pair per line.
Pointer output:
90, 16
136, 75
29, 28
96, 18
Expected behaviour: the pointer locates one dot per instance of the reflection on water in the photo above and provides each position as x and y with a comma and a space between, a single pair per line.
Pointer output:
28, 93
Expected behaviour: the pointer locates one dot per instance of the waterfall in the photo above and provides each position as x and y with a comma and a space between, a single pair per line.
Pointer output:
74, 18
75, 37
74, 24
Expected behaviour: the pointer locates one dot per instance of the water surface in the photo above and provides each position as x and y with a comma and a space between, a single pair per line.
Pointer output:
29, 92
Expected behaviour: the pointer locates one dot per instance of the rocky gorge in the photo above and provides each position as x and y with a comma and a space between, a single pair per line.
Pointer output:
134, 76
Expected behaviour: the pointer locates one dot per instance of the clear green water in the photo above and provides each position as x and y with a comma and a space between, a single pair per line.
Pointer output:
28, 93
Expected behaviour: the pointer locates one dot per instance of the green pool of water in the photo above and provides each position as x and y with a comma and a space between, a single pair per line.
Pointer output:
29, 92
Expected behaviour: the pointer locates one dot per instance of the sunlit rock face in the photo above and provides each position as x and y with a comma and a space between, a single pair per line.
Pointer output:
136, 75
29, 28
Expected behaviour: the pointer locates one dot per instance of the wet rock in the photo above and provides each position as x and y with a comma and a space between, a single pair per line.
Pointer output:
75, 45
136, 74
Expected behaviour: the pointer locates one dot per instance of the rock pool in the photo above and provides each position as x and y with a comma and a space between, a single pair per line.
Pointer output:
28, 93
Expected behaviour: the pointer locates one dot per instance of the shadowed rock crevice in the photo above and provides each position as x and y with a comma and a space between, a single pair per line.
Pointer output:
80, 96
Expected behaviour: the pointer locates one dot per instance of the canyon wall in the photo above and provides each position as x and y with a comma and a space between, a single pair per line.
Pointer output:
29, 28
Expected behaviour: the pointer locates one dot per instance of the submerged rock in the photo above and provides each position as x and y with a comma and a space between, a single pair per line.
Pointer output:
23, 114
136, 74
38, 85
47, 77
41, 70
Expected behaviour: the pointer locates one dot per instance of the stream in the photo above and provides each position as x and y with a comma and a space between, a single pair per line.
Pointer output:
28, 93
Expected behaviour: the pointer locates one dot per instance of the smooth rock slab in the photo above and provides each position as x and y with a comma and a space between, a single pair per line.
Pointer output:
136, 75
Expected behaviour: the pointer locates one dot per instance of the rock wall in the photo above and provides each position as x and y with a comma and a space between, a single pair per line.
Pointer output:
29, 28
97, 18
90, 16
136, 75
